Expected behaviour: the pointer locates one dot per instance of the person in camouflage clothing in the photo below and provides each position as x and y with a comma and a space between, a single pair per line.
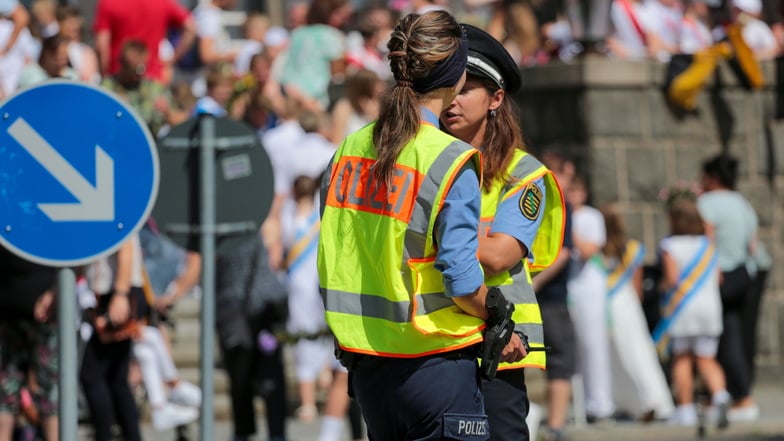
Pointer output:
28, 343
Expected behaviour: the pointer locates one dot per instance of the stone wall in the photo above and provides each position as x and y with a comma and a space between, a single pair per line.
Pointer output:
612, 117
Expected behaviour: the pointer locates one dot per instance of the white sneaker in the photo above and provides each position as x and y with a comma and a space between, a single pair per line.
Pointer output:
743, 414
172, 415
684, 415
186, 394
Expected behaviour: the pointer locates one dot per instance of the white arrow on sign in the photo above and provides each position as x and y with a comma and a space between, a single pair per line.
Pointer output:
96, 203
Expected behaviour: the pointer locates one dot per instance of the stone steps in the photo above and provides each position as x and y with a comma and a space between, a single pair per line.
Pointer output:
186, 348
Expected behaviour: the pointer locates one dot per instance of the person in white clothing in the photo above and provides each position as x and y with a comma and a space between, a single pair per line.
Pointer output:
81, 56
17, 48
588, 302
179, 406
306, 323
692, 317
310, 154
629, 39
214, 42
639, 384
17, 16
662, 21
694, 33
756, 33
254, 30
277, 142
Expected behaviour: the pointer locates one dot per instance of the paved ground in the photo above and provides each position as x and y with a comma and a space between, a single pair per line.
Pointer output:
770, 427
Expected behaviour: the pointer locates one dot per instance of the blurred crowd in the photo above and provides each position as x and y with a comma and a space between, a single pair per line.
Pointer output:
182, 44
303, 87
672, 340
541, 31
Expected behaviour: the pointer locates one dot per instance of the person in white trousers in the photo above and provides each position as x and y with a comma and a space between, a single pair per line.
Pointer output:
158, 371
588, 303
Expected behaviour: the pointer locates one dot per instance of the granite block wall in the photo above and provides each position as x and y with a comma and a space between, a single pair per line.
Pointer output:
612, 117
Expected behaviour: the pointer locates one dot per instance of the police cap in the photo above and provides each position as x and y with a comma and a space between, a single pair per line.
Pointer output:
487, 58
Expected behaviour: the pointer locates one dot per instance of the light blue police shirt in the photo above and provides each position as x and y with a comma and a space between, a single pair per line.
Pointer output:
457, 228
509, 219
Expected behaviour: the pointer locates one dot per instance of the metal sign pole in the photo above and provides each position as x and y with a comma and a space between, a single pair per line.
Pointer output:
66, 320
207, 168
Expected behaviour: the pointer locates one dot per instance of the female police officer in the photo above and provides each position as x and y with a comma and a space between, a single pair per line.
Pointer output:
521, 225
397, 252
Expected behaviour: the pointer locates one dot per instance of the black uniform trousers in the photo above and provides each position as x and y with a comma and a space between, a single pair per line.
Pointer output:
506, 405
429, 398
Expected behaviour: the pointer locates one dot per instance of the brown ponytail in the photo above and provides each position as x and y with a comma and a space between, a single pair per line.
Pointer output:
416, 46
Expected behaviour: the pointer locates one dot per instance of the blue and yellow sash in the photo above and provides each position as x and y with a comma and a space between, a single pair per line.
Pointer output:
691, 279
623, 272
305, 242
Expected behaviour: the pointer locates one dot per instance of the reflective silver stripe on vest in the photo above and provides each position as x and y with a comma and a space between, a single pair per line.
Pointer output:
520, 292
416, 234
432, 302
367, 305
535, 333
525, 166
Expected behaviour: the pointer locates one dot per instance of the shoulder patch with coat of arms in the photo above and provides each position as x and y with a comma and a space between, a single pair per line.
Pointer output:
531, 201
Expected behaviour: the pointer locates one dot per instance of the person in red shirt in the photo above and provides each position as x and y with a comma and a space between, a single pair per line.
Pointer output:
117, 21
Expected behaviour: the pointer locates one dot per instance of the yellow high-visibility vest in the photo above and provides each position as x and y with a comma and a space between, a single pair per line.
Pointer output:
515, 284
383, 295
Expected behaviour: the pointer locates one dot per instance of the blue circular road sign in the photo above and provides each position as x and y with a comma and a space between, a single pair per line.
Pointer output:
78, 173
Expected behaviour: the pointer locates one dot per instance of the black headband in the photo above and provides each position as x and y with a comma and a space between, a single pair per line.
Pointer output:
448, 72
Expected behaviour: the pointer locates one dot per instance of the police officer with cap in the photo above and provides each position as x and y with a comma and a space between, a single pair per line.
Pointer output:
522, 215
